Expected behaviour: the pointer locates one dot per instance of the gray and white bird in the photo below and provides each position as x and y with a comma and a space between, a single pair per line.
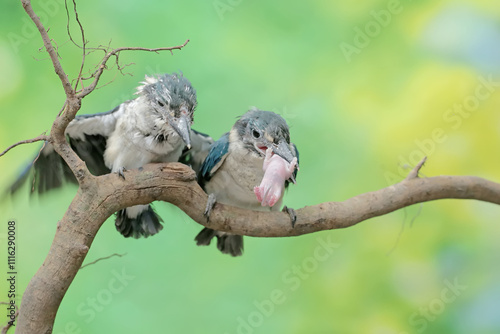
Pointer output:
154, 127
234, 166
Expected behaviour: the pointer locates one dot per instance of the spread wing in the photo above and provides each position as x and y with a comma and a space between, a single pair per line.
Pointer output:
200, 146
214, 159
47, 172
87, 135
296, 154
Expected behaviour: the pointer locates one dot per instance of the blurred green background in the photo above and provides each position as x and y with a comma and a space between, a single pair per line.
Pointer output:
367, 88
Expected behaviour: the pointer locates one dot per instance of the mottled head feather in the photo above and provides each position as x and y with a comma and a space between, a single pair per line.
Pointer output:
266, 122
170, 90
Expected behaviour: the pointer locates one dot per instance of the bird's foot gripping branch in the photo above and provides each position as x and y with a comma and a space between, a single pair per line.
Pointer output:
100, 196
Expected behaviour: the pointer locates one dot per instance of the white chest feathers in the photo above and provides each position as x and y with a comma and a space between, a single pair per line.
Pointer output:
141, 137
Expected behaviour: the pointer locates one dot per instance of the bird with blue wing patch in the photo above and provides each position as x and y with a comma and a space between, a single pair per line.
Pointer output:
238, 162
154, 127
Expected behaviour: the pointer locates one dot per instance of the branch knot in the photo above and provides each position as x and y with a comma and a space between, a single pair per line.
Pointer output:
414, 172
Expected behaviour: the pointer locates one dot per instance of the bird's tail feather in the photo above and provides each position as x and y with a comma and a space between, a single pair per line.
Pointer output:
205, 237
145, 224
227, 243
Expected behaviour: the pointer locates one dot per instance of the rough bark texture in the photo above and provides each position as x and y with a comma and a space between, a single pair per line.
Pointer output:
99, 197
175, 183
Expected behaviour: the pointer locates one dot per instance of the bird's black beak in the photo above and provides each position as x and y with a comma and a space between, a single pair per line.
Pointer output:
284, 151
182, 126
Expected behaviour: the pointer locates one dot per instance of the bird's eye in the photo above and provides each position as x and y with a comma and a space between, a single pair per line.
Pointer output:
161, 104
256, 134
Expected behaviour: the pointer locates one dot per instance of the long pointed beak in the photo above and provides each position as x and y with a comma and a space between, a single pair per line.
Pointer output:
182, 126
284, 151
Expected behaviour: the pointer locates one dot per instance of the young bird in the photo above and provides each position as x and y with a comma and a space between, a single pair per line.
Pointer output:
154, 127
234, 167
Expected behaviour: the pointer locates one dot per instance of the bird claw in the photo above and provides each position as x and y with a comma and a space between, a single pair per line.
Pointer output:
210, 205
121, 172
292, 214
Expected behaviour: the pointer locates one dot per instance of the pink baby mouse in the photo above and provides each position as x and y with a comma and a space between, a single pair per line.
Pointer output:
276, 171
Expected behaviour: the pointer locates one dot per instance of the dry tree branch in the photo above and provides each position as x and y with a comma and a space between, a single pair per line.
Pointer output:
99, 197
84, 44
41, 137
10, 323
176, 183
102, 258
39, 307
73, 98
102, 66
72, 103
49, 48
325, 216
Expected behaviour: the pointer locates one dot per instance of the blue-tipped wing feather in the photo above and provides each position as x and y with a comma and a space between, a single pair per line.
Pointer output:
217, 152
200, 146
296, 151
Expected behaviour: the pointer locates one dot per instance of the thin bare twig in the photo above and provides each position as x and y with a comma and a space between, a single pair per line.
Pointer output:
36, 319
102, 258
414, 172
47, 42
68, 28
84, 44
62, 109
102, 66
10, 323
419, 211
400, 234
107, 83
121, 68
41, 137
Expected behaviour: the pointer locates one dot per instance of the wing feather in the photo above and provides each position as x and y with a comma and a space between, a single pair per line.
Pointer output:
214, 159
87, 135
296, 154
200, 146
